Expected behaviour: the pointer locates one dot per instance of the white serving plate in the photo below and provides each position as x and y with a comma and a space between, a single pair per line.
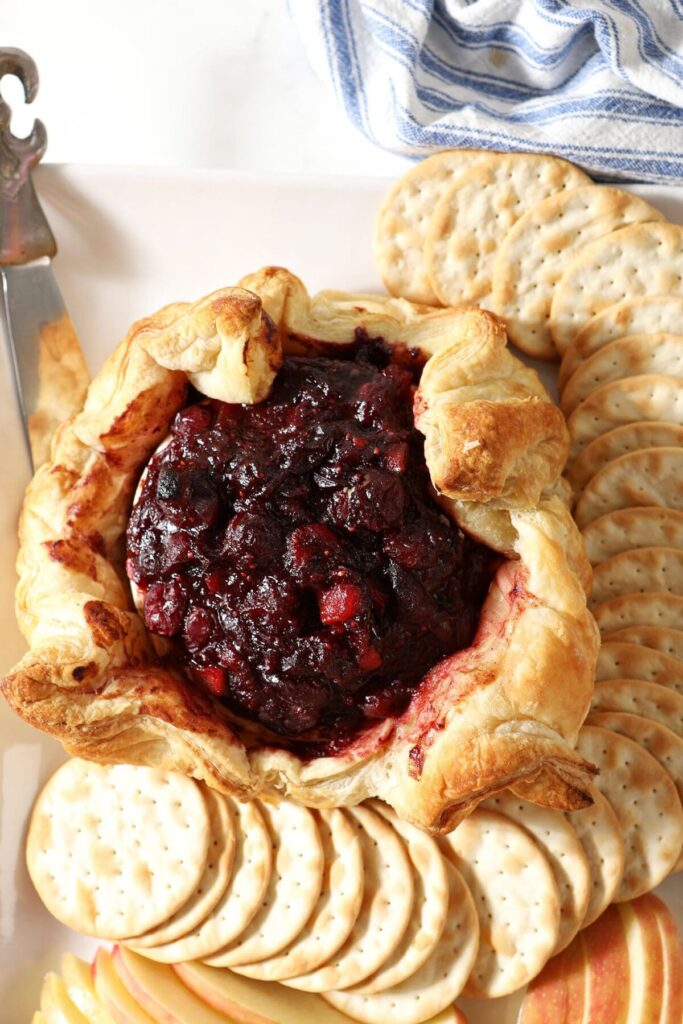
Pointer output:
131, 241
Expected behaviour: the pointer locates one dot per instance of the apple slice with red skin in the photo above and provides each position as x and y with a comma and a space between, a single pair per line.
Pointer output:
116, 999
672, 951
646, 959
160, 993
558, 993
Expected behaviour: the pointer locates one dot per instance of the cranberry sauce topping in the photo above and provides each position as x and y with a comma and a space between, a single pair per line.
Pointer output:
293, 549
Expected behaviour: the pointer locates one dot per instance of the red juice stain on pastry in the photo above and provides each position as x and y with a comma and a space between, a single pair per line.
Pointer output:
293, 551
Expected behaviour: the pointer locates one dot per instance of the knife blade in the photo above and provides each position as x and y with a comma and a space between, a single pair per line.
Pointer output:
48, 368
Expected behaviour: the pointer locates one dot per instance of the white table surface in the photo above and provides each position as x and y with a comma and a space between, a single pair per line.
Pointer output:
184, 83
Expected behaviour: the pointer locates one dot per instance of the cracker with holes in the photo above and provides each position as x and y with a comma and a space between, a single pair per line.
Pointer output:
642, 570
440, 979
649, 315
647, 609
630, 437
336, 911
641, 259
624, 660
385, 911
115, 850
648, 397
293, 891
636, 697
475, 213
666, 641
651, 476
403, 218
213, 882
430, 903
629, 528
234, 911
536, 251
564, 853
636, 356
598, 830
644, 799
516, 897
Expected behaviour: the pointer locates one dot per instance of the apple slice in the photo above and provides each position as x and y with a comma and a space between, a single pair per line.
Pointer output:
646, 960
609, 972
55, 1003
158, 989
558, 993
77, 975
672, 952
246, 1001
117, 1000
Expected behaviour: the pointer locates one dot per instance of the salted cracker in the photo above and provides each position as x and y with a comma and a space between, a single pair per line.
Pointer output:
618, 660
629, 528
649, 477
213, 882
599, 833
648, 315
644, 799
430, 903
403, 218
647, 609
666, 641
640, 571
629, 437
335, 913
636, 697
475, 213
114, 850
640, 259
437, 982
537, 249
385, 911
564, 852
516, 897
241, 900
293, 891
648, 397
627, 357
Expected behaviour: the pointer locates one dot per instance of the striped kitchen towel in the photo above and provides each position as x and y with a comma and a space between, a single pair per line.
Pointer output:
599, 82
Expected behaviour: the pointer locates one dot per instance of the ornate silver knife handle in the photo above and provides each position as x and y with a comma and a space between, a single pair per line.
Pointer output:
25, 234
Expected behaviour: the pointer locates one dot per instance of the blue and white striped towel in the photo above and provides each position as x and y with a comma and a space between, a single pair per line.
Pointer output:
599, 82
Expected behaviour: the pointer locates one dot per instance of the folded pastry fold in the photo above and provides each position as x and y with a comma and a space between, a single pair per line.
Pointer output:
504, 712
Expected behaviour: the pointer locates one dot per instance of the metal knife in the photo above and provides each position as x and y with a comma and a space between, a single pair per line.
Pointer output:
35, 330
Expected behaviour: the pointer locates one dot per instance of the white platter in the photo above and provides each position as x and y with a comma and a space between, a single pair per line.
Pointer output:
131, 241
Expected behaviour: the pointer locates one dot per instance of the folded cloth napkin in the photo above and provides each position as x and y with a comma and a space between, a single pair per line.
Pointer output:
599, 82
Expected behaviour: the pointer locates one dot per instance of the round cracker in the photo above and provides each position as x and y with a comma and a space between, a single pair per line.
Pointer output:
516, 897
649, 609
648, 315
630, 661
241, 900
644, 799
385, 911
403, 219
439, 980
648, 397
565, 855
599, 833
629, 528
431, 895
214, 880
649, 477
642, 570
636, 697
628, 438
114, 850
627, 357
475, 213
535, 253
336, 911
292, 893
640, 259
666, 641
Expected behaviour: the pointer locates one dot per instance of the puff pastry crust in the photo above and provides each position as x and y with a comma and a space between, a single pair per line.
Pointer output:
505, 712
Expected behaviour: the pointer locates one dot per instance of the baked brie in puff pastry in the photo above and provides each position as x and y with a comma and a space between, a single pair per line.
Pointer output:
314, 547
